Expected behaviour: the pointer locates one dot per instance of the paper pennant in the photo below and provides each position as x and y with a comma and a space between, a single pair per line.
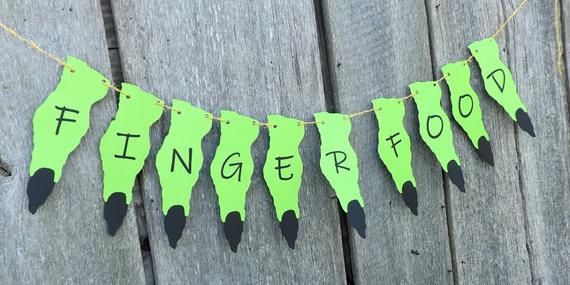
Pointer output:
339, 164
283, 172
499, 82
466, 109
178, 163
124, 148
231, 171
435, 129
59, 124
395, 148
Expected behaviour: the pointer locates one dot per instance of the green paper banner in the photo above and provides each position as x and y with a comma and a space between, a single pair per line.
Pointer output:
283, 171
178, 163
466, 109
231, 171
124, 148
499, 82
395, 147
59, 124
435, 129
339, 164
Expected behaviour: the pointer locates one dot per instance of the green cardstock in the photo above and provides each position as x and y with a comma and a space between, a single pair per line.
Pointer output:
124, 148
63, 118
59, 123
499, 82
178, 164
180, 158
465, 107
126, 144
395, 147
394, 144
232, 166
283, 167
435, 128
339, 164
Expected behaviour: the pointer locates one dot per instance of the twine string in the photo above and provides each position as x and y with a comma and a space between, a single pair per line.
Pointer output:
35, 46
559, 63
510, 18
559, 44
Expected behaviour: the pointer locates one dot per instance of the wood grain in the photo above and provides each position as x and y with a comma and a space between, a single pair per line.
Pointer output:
376, 48
65, 242
257, 58
544, 160
488, 221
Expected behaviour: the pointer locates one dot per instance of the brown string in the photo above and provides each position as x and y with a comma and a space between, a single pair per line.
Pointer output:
35, 46
358, 114
508, 20
560, 65
219, 119
265, 125
307, 123
559, 44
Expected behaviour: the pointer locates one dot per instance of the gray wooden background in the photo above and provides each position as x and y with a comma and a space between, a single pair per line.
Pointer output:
294, 57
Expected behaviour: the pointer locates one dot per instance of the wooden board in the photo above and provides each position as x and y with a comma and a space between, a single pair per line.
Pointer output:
257, 58
545, 160
66, 240
376, 48
487, 222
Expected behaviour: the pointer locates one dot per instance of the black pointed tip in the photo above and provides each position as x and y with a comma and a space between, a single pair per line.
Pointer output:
524, 122
233, 228
410, 196
174, 223
356, 218
40, 186
115, 211
456, 175
485, 152
289, 227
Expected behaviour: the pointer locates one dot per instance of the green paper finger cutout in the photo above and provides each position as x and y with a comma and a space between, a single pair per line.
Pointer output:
395, 147
499, 82
59, 123
283, 172
231, 171
339, 165
466, 109
124, 148
435, 129
178, 163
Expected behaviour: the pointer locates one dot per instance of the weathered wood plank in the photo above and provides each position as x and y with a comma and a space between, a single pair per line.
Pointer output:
66, 241
487, 222
254, 57
376, 48
544, 160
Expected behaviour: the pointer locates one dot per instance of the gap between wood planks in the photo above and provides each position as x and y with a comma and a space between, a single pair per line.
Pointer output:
445, 180
519, 174
560, 30
330, 105
138, 201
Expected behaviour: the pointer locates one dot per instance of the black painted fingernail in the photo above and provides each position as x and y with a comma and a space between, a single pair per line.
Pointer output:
115, 211
39, 187
524, 122
174, 223
456, 175
289, 227
410, 196
356, 218
484, 150
233, 227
